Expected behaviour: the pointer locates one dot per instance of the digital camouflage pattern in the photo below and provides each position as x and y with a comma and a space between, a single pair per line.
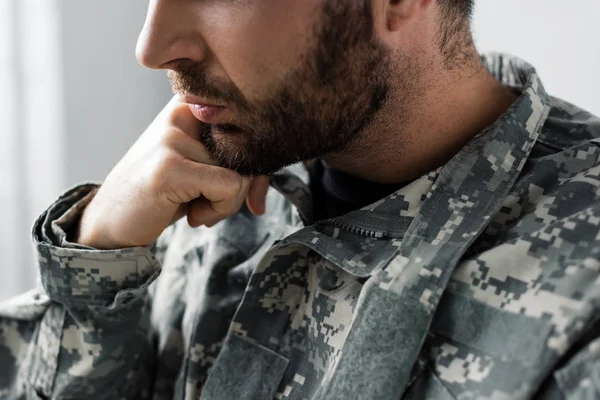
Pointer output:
480, 280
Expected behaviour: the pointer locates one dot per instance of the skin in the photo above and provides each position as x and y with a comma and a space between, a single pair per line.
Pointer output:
364, 85
246, 52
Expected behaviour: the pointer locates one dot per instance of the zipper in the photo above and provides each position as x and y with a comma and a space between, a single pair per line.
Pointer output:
350, 228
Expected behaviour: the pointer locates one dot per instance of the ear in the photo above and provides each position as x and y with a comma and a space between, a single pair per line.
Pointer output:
401, 12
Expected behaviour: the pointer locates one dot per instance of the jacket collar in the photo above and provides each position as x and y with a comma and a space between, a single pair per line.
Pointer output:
469, 190
504, 146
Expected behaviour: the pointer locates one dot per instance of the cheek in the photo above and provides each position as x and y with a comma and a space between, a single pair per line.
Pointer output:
262, 41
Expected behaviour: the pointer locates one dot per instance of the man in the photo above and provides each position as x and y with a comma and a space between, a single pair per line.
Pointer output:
440, 241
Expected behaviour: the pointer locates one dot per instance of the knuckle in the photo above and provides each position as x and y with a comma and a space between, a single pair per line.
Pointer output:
171, 138
230, 182
170, 160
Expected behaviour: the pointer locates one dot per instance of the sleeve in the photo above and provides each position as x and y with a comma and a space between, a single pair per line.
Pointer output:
85, 332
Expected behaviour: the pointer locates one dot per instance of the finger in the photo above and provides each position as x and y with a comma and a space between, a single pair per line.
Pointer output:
188, 147
230, 206
193, 180
181, 212
202, 211
257, 195
180, 116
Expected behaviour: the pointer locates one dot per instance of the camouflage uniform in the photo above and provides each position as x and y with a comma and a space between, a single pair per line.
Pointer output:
480, 280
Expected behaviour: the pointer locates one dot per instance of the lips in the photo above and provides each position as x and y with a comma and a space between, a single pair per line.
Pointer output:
208, 113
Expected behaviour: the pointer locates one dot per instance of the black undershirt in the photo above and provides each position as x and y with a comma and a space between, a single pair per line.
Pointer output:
336, 193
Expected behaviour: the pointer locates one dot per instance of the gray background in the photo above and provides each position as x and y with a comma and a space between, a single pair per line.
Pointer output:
109, 98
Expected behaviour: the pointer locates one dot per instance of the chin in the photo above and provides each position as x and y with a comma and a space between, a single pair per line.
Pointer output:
227, 129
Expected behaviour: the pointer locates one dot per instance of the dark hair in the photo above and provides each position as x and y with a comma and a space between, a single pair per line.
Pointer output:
455, 33
461, 9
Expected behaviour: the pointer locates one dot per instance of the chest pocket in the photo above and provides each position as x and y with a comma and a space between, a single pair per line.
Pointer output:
475, 350
288, 332
245, 360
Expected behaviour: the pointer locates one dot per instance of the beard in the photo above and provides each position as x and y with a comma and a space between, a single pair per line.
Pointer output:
322, 106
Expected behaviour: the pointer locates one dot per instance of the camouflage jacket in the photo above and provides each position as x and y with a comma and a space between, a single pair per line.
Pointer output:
480, 280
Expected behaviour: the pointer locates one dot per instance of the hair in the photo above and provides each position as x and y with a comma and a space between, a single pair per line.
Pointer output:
455, 38
461, 9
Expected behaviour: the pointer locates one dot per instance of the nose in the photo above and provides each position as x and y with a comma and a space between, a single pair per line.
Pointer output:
169, 35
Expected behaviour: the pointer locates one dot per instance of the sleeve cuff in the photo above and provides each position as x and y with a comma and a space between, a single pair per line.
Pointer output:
53, 225
83, 276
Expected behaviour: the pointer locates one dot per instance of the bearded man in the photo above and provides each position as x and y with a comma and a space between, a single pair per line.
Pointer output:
373, 210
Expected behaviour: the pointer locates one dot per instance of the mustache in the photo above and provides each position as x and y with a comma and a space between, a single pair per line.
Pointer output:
194, 81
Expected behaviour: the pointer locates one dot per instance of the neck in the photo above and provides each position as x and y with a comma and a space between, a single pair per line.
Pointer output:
410, 138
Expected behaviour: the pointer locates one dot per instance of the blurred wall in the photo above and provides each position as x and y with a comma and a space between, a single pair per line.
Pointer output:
109, 98
31, 131
560, 38
74, 94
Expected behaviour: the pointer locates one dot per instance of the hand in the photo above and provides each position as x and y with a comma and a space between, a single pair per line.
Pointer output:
164, 176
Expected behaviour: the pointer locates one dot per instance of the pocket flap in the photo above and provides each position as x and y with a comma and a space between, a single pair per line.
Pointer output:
490, 330
244, 370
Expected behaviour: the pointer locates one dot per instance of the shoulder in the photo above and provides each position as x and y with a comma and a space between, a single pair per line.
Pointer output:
568, 126
561, 179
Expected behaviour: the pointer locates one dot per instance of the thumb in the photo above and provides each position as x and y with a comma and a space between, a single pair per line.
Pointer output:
257, 195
